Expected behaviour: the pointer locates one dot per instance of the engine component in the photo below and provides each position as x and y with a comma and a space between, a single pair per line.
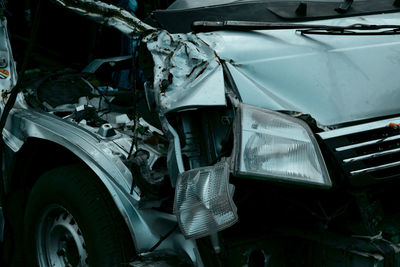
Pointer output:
106, 130
152, 183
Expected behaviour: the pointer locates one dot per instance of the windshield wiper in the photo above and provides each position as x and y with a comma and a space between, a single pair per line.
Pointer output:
354, 29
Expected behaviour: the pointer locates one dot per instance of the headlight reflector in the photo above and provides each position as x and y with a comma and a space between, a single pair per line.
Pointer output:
277, 146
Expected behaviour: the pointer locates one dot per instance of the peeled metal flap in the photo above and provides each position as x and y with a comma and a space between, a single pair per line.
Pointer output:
187, 71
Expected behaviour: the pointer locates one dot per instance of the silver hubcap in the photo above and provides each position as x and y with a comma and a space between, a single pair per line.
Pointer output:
60, 241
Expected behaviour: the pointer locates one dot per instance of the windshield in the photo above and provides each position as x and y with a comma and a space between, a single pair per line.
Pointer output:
184, 4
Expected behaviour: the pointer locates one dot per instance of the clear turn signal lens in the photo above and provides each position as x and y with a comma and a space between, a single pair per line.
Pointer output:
203, 201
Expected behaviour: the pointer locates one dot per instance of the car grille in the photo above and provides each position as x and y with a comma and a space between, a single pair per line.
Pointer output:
366, 153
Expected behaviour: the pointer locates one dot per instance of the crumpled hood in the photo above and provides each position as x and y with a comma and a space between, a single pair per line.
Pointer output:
335, 79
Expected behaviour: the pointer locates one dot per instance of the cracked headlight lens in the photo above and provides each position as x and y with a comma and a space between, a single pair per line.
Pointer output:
203, 201
271, 145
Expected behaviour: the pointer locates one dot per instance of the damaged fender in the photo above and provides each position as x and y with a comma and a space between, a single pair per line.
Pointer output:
112, 172
187, 71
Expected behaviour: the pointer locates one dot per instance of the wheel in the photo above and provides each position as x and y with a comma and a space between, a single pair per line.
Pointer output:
71, 220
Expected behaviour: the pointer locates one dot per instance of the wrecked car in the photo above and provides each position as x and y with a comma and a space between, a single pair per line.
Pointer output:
233, 133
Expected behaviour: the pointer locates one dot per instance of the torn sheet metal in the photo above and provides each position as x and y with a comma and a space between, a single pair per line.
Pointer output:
187, 70
107, 14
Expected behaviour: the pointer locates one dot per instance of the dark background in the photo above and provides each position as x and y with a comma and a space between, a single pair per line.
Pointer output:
65, 39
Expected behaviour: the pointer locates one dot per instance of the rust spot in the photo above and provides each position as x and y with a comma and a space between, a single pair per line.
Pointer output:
170, 36
203, 41
186, 50
194, 68
152, 140
201, 72
171, 55
394, 126
4, 95
216, 55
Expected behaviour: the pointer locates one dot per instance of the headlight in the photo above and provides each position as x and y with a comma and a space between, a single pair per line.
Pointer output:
271, 145
203, 201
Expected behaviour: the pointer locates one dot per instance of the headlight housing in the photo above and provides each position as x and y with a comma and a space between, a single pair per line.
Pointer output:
203, 201
271, 145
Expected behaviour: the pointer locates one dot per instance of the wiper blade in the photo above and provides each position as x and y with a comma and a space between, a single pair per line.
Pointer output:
354, 29
206, 26
323, 31
236, 25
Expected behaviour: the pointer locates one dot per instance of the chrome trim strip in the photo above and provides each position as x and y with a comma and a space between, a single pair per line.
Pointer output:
372, 142
373, 155
376, 168
358, 128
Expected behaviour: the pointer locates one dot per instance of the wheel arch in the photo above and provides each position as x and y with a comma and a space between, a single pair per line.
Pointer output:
25, 126
37, 156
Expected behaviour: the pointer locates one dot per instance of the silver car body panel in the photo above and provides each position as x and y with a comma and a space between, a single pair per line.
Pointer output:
333, 78
277, 70
280, 69
147, 226
103, 157
318, 75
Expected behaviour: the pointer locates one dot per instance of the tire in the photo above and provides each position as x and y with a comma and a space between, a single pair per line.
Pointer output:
71, 219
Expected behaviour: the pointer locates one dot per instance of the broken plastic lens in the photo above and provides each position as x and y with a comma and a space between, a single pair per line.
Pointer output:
274, 145
203, 201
